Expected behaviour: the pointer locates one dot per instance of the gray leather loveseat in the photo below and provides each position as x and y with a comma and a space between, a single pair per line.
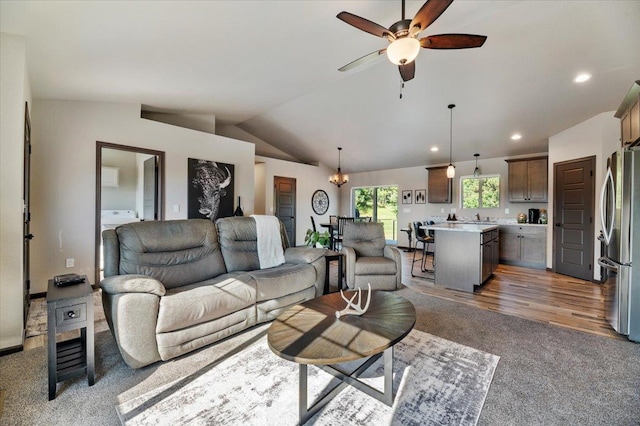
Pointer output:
175, 286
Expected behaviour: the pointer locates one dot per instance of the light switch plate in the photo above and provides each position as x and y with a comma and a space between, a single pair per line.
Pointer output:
176, 208
506, 211
406, 210
70, 263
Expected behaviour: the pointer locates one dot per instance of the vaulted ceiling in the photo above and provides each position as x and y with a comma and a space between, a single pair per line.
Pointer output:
271, 68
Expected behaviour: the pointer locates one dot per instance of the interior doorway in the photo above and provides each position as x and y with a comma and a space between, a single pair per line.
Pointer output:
285, 200
129, 188
573, 212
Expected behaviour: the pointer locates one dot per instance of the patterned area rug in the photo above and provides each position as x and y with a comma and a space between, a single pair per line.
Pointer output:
437, 382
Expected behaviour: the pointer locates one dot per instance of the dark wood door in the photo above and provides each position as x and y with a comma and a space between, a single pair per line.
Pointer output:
150, 189
26, 215
573, 211
285, 199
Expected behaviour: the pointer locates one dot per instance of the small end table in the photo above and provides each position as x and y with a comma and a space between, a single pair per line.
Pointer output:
70, 308
328, 257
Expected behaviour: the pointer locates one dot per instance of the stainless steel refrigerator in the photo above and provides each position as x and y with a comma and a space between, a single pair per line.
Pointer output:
620, 215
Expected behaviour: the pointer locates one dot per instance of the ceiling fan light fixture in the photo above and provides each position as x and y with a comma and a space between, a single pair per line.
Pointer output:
403, 50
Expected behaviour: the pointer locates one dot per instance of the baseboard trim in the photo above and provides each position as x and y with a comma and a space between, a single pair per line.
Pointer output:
11, 350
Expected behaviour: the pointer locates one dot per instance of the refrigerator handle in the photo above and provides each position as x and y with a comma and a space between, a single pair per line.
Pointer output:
607, 264
607, 230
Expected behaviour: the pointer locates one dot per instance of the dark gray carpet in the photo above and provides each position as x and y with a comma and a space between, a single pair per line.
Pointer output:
546, 375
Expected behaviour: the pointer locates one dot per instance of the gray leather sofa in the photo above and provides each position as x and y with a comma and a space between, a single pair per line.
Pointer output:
171, 287
369, 260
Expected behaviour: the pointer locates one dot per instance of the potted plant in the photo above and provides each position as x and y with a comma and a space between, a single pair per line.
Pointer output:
317, 239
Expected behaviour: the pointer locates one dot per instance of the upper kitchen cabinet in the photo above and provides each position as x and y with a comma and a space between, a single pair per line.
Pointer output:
528, 180
440, 186
629, 115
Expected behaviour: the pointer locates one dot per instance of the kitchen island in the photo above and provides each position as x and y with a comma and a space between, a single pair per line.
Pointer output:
466, 254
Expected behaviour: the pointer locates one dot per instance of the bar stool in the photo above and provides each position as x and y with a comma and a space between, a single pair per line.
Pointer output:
422, 238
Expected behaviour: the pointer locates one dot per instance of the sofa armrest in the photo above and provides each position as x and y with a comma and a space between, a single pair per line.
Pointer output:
303, 254
393, 253
132, 284
350, 258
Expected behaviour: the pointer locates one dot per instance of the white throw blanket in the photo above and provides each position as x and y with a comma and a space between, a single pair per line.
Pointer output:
270, 252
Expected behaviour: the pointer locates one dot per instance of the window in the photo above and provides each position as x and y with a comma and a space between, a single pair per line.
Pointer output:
380, 203
480, 192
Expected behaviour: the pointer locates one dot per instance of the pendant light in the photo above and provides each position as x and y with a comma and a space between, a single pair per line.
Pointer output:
476, 171
338, 178
451, 170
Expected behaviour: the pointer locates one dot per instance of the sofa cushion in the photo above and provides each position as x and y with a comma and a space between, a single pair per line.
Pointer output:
192, 304
238, 242
366, 238
282, 280
375, 266
176, 252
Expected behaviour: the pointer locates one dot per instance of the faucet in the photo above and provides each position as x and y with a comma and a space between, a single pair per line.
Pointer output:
478, 217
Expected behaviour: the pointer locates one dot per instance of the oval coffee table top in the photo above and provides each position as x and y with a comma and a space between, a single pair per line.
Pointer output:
310, 333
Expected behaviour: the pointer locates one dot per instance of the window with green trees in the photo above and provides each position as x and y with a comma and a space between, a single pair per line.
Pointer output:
380, 203
480, 192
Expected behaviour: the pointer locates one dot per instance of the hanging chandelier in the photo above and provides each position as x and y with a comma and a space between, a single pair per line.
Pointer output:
338, 178
451, 170
476, 171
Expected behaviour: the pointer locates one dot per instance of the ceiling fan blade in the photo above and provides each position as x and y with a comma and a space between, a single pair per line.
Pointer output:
364, 25
429, 12
452, 41
366, 58
407, 71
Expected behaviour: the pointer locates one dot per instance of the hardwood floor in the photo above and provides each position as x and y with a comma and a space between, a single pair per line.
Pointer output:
532, 294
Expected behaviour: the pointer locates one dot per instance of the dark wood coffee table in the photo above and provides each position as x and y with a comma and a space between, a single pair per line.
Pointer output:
310, 333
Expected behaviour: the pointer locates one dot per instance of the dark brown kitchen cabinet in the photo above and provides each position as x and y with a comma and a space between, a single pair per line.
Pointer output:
527, 180
524, 245
629, 115
440, 186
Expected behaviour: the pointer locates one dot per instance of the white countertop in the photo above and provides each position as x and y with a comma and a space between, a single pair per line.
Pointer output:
461, 227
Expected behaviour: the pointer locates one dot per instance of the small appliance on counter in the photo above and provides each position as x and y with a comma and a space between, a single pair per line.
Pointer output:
522, 218
534, 215
544, 217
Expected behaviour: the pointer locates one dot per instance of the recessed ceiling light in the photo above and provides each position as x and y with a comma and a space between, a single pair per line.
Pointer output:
434, 148
516, 136
581, 78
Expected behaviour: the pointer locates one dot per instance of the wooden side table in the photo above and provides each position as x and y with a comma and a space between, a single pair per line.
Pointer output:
70, 308
328, 257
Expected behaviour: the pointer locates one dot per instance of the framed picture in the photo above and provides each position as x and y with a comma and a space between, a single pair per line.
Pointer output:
421, 196
210, 193
406, 196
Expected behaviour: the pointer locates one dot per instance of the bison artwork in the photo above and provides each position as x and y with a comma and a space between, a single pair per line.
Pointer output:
210, 189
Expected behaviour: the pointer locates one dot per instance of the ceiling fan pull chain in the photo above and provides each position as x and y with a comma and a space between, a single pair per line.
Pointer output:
401, 87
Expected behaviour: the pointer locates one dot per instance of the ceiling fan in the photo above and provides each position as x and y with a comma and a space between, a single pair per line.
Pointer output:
403, 42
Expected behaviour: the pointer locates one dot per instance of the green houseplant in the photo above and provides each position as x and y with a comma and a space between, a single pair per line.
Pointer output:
315, 239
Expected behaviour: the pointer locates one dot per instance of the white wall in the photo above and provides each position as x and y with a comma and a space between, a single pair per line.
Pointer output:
415, 178
64, 137
598, 136
15, 92
308, 180
123, 196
